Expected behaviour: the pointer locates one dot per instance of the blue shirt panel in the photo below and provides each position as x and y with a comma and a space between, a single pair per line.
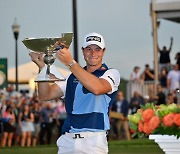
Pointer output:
86, 111
88, 102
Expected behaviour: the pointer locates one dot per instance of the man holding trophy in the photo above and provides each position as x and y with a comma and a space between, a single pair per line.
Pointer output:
88, 94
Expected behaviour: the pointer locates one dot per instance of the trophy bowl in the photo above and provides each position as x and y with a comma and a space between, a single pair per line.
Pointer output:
42, 44
48, 46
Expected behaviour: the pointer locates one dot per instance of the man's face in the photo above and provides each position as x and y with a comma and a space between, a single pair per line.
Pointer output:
159, 88
136, 70
93, 55
120, 96
147, 68
176, 67
49, 105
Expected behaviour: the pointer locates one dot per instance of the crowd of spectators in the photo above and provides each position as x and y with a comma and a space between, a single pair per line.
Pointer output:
142, 84
26, 121
142, 91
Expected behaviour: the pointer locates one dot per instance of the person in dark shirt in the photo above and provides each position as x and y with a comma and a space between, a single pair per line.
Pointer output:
26, 119
148, 74
136, 101
163, 77
121, 105
177, 58
46, 116
164, 58
36, 112
160, 97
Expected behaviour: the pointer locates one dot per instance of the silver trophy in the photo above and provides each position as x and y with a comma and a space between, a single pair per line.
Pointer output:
49, 46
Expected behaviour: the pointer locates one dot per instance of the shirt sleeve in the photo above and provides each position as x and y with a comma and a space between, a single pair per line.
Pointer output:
113, 77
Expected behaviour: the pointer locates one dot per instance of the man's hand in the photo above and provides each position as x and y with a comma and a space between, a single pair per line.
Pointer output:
64, 56
37, 58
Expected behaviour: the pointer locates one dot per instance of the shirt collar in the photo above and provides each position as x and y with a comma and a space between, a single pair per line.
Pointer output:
102, 68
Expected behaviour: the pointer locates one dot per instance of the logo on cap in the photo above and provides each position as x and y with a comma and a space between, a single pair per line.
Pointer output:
93, 38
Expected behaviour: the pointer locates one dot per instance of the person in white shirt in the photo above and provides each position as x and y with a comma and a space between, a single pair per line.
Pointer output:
135, 79
173, 78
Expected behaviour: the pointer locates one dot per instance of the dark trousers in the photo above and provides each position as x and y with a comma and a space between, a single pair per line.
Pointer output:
46, 132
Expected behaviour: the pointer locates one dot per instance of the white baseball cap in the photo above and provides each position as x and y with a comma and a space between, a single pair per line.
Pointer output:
94, 38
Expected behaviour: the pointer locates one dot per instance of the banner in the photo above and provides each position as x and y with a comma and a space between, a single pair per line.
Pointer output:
3, 73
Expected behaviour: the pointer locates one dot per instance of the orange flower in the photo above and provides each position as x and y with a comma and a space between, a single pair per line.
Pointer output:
154, 122
177, 119
168, 120
146, 128
148, 114
151, 119
140, 126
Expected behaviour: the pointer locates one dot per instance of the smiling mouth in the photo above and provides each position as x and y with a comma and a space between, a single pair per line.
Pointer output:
93, 58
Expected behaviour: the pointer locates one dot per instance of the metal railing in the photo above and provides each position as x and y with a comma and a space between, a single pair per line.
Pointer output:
145, 88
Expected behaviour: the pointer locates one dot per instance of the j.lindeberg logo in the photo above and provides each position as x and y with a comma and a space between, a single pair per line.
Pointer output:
93, 38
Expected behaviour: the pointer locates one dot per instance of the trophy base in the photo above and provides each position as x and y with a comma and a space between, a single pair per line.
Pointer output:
49, 80
54, 75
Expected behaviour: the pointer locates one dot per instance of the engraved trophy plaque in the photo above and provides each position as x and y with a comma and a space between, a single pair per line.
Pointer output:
48, 46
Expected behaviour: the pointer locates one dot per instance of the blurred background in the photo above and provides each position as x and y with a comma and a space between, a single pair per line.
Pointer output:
126, 26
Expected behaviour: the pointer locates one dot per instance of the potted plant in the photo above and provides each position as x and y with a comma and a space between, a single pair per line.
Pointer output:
160, 123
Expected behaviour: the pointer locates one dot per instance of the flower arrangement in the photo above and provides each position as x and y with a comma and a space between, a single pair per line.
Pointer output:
151, 119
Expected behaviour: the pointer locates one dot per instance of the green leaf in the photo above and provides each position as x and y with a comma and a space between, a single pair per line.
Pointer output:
134, 135
133, 126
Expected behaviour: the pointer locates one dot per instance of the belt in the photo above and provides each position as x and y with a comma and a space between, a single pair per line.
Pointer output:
81, 135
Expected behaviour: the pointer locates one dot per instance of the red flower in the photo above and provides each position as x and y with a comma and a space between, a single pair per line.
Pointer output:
154, 122
147, 114
177, 119
168, 120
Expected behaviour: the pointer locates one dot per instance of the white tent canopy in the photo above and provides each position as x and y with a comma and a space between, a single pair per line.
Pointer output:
29, 71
